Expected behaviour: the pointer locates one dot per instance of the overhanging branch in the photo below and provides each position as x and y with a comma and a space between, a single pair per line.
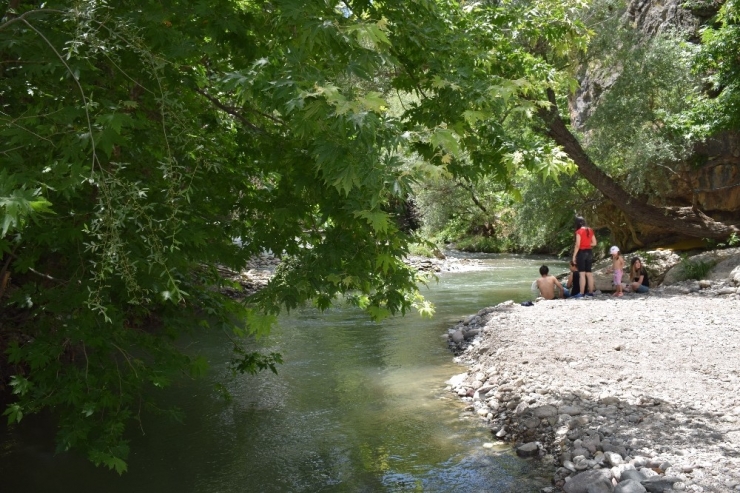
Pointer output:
682, 220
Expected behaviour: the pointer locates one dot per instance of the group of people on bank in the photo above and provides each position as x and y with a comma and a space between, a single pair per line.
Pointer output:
580, 281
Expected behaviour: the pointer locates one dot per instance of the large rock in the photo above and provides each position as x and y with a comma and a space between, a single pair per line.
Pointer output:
735, 276
630, 486
659, 484
530, 449
727, 269
724, 261
580, 483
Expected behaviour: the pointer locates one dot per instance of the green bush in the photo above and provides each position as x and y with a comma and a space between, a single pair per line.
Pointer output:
423, 249
485, 244
696, 269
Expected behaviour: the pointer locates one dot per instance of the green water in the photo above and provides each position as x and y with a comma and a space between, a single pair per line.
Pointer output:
357, 407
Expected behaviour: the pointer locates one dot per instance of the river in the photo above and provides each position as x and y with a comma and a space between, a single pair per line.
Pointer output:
358, 406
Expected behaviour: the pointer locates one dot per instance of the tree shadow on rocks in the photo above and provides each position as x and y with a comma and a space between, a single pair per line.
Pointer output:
690, 449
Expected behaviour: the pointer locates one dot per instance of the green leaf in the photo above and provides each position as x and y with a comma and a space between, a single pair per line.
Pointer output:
14, 412
473, 117
21, 385
199, 367
442, 137
377, 219
384, 262
378, 313
259, 324
373, 101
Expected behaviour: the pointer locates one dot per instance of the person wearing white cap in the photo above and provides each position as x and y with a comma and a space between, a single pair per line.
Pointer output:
618, 269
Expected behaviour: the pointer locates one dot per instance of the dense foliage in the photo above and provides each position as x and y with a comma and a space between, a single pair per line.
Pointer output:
639, 114
146, 143
719, 61
141, 139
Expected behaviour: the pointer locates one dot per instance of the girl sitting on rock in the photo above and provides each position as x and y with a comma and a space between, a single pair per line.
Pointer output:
640, 283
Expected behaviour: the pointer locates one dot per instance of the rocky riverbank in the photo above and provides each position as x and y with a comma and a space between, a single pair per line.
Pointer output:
260, 270
625, 395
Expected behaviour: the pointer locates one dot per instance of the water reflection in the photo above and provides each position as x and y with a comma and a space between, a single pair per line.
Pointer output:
358, 406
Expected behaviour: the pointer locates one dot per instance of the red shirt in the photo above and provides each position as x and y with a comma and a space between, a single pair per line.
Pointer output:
586, 234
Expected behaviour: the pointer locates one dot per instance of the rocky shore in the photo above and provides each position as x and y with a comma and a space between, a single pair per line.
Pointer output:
625, 395
260, 270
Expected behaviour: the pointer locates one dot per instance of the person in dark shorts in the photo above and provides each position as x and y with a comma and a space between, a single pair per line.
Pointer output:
583, 257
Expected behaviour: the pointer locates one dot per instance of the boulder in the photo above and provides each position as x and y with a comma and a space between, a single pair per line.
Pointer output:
724, 262
530, 449
727, 270
581, 482
659, 484
630, 486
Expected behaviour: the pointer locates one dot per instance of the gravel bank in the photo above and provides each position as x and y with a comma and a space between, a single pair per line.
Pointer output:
640, 393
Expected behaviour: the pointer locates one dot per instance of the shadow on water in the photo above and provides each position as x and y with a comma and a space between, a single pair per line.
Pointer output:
358, 406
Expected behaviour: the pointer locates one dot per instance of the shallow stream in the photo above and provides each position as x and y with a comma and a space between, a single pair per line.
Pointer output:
357, 407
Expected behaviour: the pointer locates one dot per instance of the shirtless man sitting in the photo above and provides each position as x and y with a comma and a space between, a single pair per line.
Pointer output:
546, 284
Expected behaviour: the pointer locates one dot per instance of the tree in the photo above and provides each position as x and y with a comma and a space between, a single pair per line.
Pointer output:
688, 221
141, 139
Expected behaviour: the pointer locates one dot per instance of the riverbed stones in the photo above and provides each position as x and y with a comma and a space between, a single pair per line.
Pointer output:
662, 410
629, 486
530, 449
587, 481
546, 411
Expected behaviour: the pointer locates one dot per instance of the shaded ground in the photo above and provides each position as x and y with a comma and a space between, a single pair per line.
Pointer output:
657, 374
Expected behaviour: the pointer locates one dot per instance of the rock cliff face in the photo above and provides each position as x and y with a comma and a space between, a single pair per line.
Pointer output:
649, 18
716, 182
710, 178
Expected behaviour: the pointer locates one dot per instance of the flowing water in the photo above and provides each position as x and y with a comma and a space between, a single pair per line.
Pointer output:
357, 407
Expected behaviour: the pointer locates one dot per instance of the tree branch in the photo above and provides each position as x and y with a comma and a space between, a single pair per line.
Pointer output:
13, 17
682, 220
79, 86
470, 189
230, 110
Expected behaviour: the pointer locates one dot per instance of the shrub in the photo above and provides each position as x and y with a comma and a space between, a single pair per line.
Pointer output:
485, 244
696, 269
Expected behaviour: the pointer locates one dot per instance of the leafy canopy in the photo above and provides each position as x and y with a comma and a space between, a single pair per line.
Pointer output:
142, 139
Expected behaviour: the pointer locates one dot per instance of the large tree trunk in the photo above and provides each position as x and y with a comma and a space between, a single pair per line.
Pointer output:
682, 220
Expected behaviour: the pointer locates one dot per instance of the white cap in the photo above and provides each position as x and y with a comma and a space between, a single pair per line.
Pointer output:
613, 250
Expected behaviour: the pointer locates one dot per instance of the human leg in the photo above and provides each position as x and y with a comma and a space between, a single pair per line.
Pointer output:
582, 262
588, 259
590, 281
641, 288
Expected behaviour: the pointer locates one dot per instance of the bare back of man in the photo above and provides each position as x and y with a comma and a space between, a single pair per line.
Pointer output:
546, 285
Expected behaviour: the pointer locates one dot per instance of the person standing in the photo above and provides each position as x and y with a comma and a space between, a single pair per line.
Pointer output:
583, 256
617, 268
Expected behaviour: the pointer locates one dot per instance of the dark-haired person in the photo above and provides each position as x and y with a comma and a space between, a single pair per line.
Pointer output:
547, 283
583, 256
573, 284
639, 280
